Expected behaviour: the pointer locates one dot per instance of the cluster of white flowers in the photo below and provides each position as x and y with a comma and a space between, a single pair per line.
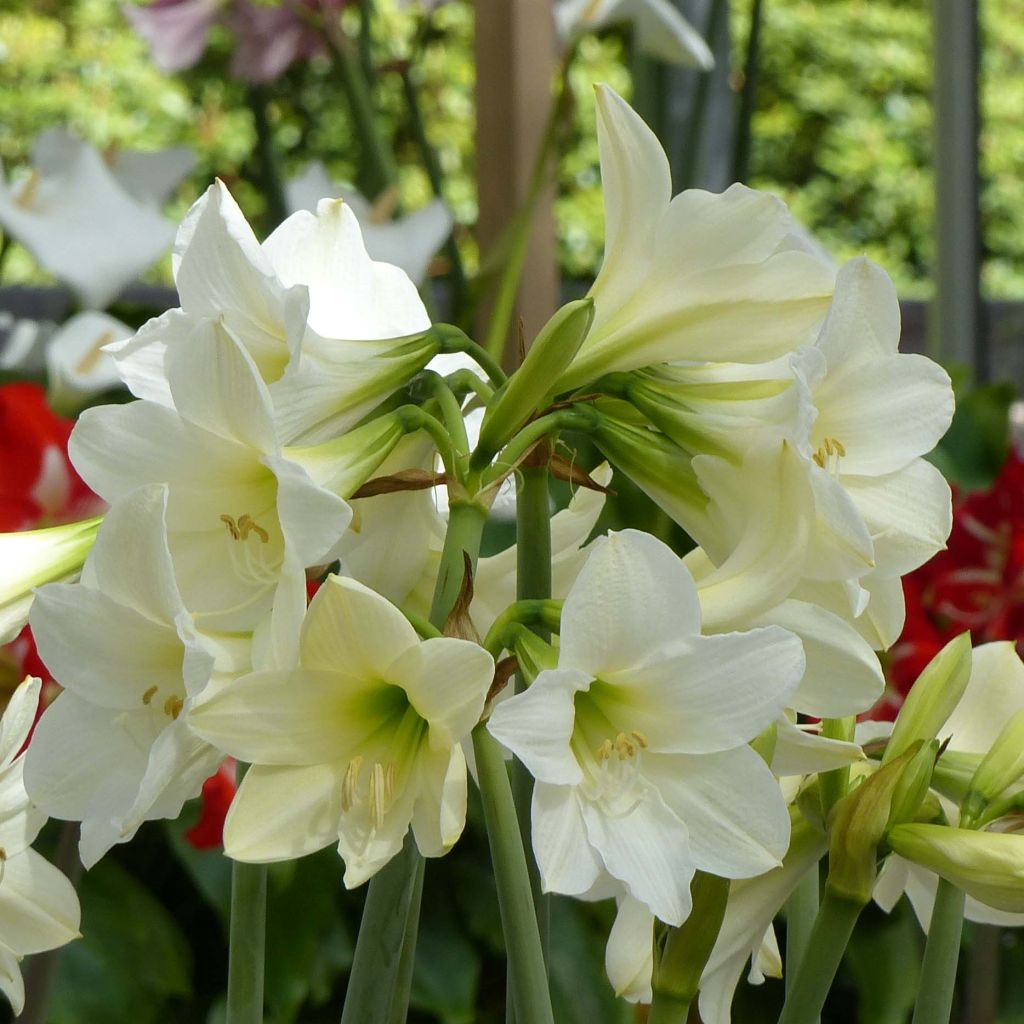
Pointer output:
752, 391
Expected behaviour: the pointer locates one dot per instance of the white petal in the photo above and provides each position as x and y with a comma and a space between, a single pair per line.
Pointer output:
446, 681
18, 719
629, 956
663, 32
280, 813
410, 242
799, 752
740, 837
648, 850
632, 596
312, 518
77, 366
567, 861
994, 694
11, 983
537, 725
841, 547
439, 814
38, 905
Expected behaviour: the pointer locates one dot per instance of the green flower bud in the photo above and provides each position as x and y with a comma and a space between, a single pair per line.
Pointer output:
987, 865
529, 388
933, 697
1000, 768
913, 784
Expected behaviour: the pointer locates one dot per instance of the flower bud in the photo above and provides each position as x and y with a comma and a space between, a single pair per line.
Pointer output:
35, 557
913, 784
933, 697
987, 865
525, 391
1001, 767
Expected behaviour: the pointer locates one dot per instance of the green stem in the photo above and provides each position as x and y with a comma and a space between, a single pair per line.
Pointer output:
248, 939
380, 170
366, 39
522, 613
432, 165
748, 95
801, 911
407, 963
836, 783
270, 181
669, 1009
695, 125
829, 938
941, 956
380, 948
385, 949
528, 979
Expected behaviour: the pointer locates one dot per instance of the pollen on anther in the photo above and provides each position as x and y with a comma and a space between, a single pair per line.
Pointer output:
173, 706
148, 695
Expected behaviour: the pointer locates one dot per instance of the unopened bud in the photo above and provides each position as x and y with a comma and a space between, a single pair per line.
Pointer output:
987, 865
1001, 767
913, 784
933, 697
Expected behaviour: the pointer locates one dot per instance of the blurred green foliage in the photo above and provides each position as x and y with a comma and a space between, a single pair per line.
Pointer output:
842, 128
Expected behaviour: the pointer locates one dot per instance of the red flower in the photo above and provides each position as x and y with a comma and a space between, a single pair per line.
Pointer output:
976, 584
218, 792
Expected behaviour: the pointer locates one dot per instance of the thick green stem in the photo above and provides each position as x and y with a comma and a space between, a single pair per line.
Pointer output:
407, 963
829, 938
941, 956
695, 126
533, 582
386, 947
748, 95
527, 972
835, 784
270, 181
669, 1009
801, 911
248, 940
380, 170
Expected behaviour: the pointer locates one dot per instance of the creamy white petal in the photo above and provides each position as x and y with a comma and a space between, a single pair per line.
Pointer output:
11, 983
740, 836
632, 595
38, 905
439, 814
629, 955
284, 812
996, 682
18, 718
567, 861
801, 752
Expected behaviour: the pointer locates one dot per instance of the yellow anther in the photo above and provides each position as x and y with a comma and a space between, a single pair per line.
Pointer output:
829, 447
173, 706
27, 196
640, 738
625, 747
88, 362
605, 750
385, 205
232, 526
243, 526
148, 695
349, 791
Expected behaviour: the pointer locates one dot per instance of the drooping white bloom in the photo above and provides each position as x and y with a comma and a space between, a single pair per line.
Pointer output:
243, 521
310, 288
697, 277
76, 364
357, 743
659, 29
114, 749
642, 726
83, 225
410, 241
33, 557
38, 905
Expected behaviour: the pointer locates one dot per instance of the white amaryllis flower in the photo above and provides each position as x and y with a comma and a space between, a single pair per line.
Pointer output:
33, 557
243, 521
642, 726
698, 277
658, 27
38, 905
82, 224
310, 286
77, 366
359, 742
410, 241
878, 412
114, 749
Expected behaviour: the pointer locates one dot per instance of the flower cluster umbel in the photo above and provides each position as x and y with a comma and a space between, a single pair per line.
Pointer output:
293, 421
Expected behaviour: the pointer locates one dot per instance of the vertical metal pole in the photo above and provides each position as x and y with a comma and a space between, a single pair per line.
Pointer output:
515, 62
955, 329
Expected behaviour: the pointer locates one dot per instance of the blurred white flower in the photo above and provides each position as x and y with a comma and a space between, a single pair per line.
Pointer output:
659, 28
81, 222
77, 366
409, 241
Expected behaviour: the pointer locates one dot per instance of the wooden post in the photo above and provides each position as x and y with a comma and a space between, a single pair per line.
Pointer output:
515, 61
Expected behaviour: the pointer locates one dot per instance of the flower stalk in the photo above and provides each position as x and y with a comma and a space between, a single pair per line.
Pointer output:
941, 956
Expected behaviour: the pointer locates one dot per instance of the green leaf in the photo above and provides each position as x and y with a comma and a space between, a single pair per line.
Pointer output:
132, 961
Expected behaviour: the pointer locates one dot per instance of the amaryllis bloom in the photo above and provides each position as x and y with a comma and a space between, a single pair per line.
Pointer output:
38, 906
659, 28
269, 38
81, 224
410, 241
357, 744
77, 364
643, 725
